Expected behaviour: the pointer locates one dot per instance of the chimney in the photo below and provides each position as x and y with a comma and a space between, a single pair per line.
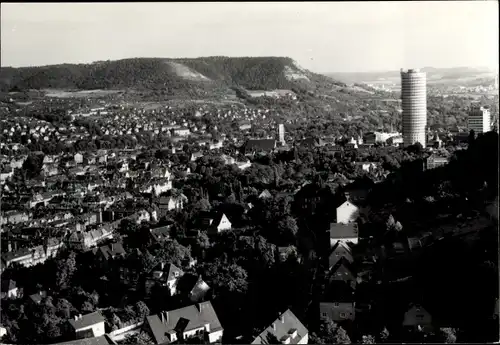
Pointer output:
282, 318
274, 326
347, 195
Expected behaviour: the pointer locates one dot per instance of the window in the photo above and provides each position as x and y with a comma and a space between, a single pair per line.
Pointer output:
336, 304
324, 314
343, 315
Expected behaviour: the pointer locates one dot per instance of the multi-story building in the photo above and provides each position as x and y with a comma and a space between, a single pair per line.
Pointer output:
414, 104
281, 134
479, 120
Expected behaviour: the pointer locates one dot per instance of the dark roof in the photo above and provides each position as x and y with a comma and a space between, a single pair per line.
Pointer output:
8, 285
282, 328
342, 270
260, 145
312, 142
111, 251
196, 316
37, 297
339, 250
338, 292
161, 233
169, 271
87, 320
345, 231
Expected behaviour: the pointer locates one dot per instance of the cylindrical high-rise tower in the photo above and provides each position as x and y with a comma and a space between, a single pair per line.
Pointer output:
414, 104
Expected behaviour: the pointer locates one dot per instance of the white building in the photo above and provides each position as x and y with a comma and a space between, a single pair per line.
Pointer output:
287, 329
347, 212
281, 133
479, 120
414, 104
88, 324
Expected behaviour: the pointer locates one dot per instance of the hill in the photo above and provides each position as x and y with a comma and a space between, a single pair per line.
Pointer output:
198, 75
448, 76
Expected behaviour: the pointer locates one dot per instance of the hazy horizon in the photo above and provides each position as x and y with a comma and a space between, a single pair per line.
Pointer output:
343, 37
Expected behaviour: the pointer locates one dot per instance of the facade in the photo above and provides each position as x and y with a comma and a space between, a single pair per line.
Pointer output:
414, 104
479, 120
417, 316
347, 212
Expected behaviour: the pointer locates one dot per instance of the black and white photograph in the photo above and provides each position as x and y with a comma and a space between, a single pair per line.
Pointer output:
249, 172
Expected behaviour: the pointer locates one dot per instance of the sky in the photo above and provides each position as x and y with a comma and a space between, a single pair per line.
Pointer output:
320, 36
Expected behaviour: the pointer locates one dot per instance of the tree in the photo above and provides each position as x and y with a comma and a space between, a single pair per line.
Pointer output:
142, 310
175, 253
141, 338
368, 339
341, 336
65, 270
449, 335
384, 335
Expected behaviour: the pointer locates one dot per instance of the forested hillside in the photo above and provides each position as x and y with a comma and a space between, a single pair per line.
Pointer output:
254, 73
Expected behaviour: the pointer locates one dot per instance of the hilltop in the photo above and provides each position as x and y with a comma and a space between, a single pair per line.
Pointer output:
198, 75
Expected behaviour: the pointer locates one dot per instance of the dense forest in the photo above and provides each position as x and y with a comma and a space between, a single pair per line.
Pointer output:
153, 73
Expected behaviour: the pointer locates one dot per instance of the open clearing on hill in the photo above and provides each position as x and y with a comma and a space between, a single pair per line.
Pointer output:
291, 74
186, 73
79, 94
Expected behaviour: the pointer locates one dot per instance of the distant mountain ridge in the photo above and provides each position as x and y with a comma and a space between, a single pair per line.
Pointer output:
195, 74
434, 75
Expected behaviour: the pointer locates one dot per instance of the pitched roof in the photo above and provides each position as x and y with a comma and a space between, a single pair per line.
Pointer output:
184, 319
342, 270
282, 328
344, 231
161, 233
8, 285
339, 250
169, 271
260, 144
112, 250
87, 320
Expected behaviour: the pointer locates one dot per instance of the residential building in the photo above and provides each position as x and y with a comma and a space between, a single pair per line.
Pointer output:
88, 326
165, 275
195, 320
338, 303
102, 340
414, 104
9, 289
286, 329
435, 161
417, 317
215, 222
347, 212
340, 250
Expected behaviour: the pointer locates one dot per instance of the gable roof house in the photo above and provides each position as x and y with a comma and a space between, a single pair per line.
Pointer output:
107, 253
338, 302
343, 271
88, 325
194, 320
286, 329
215, 222
193, 287
165, 275
416, 317
346, 211
9, 289
340, 250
